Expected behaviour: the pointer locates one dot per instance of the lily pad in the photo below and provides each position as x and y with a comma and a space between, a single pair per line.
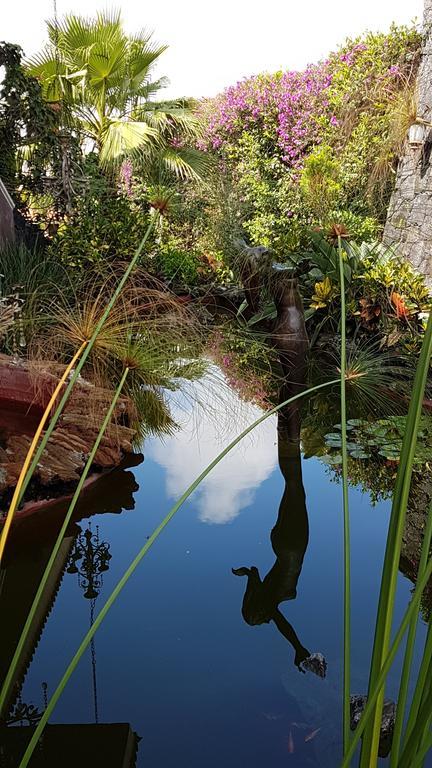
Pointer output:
390, 455
359, 453
337, 459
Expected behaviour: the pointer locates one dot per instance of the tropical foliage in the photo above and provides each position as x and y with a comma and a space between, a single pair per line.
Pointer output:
91, 151
29, 141
102, 81
385, 296
310, 147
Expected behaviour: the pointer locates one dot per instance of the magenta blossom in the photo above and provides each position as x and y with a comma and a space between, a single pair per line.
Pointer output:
126, 172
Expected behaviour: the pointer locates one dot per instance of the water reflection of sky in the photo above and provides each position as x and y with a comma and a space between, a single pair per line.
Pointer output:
232, 485
174, 658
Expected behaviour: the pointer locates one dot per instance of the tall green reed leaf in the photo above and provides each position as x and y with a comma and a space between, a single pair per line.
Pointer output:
369, 709
419, 759
9, 679
370, 745
423, 681
424, 740
409, 651
347, 546
416, 737
136, 561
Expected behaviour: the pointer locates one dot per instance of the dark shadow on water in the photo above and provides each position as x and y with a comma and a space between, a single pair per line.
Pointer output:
28, 551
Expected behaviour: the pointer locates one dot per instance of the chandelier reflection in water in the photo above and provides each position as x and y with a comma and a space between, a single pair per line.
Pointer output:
89, 559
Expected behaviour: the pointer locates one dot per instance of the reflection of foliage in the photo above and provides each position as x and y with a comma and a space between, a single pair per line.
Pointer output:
24, 713
375, 477
246, 362
377, 480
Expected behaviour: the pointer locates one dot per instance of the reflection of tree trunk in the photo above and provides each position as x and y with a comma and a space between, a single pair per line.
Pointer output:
409, 219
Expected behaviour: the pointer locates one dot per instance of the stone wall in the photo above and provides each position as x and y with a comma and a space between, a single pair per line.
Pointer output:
409, 220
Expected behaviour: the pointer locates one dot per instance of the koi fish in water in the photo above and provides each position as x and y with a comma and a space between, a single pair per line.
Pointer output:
312, 735
290, 743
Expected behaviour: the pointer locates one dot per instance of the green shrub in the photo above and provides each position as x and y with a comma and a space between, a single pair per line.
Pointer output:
105, 225
178, 265
319, 182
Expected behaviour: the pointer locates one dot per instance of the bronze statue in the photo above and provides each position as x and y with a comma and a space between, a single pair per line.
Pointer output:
289, 334
251, 268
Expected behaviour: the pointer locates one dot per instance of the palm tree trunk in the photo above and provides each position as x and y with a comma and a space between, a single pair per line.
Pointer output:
409, 218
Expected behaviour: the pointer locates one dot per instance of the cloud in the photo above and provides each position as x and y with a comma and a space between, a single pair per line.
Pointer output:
232, 484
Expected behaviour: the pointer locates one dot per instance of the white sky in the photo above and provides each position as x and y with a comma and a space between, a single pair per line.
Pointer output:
215, 44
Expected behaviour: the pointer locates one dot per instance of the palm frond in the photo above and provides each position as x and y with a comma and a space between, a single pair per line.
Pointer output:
125, 137
185, 163
105, 78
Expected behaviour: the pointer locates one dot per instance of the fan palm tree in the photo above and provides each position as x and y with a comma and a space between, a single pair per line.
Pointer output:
102, 81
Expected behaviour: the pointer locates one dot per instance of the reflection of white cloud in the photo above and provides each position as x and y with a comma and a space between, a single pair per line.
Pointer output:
231, 484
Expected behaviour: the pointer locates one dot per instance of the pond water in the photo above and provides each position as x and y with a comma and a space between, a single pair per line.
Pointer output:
175, 657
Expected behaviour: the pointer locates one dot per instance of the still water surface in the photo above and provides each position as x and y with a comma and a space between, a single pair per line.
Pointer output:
175, 658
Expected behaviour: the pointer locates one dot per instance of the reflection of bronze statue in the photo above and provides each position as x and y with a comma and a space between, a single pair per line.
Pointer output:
289, 539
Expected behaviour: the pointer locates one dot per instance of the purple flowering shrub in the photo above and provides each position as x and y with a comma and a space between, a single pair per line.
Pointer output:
265, 128
283, 107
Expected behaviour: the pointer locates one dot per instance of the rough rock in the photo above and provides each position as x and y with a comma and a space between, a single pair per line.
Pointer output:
408, 225
357, 705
